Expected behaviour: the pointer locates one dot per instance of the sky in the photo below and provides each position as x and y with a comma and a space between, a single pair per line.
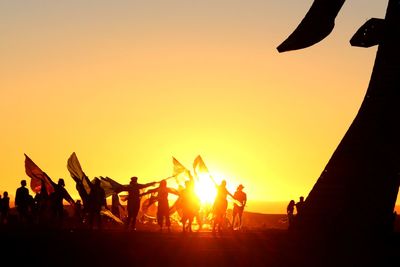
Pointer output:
128, 85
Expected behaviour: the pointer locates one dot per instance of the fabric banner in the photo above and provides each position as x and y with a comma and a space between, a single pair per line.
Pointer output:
37, 176
110, 186
200, 168
109, 214
75, 169
180, 172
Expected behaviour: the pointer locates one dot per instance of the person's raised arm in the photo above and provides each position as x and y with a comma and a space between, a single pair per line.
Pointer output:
173, 191
141, 186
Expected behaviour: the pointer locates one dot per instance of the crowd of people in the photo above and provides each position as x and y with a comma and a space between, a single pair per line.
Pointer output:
46, 207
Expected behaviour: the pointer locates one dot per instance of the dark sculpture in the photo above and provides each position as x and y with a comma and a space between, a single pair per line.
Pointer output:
357, 190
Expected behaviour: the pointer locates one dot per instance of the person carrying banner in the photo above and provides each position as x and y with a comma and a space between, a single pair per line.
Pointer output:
134, 200
220, 206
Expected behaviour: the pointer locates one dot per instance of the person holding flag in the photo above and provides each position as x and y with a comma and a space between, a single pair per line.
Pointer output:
134, 200
220, 206
163, 205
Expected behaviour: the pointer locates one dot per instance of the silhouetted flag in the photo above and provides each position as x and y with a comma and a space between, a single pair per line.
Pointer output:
316, 25
109, 214
75, 169
200, 168
110, 186
180, 172
37, 176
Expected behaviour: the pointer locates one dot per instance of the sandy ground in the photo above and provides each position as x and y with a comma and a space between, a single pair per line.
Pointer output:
148, 247
264, 241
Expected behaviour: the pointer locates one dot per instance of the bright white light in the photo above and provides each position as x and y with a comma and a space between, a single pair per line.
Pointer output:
205, 190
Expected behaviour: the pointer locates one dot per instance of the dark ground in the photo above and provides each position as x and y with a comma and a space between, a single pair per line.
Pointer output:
265, 241
274, 247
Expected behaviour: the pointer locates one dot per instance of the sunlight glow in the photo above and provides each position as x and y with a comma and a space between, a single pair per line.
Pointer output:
205, 189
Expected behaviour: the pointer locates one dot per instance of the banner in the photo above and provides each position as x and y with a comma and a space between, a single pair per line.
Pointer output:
75, 169
37, 176
180, 173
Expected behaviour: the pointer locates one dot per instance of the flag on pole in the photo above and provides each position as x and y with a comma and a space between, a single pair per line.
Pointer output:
37, 177
200, 168
109, 214
180, 172
75, 169
110, 186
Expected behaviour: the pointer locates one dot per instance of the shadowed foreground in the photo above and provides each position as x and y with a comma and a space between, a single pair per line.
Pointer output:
263, 248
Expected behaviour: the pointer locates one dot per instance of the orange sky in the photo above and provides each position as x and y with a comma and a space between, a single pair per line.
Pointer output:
127, 85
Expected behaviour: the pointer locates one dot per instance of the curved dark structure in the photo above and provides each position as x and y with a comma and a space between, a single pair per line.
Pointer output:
316, 25
357, 190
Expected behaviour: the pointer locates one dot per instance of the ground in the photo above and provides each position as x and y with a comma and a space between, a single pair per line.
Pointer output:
148, 247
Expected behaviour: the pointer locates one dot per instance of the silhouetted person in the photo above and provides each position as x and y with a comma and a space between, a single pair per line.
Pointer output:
238, 208
163, 205
220, 206
22, 202
4, 208
97, 199
115, 205
290, 213
190, 206
56, 199
300, 205
83, 193
42, 205
78, 213
134, 200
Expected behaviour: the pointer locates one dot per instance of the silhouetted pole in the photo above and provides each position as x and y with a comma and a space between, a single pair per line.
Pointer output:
357, 191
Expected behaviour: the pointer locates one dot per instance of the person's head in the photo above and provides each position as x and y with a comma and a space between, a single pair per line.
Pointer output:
23, 182
5, 194
61, 182
291, 202
240, 187
134, 180
163, 183
301, 199
97, 181
223, 183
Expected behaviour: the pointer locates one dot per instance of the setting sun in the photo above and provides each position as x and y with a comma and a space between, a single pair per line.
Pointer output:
205, 190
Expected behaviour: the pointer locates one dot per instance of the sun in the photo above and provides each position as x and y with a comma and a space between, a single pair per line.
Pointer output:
205, 190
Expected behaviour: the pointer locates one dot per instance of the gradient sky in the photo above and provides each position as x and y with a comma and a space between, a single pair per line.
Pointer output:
129, 84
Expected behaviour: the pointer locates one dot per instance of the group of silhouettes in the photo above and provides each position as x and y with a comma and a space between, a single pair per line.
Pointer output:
46, 207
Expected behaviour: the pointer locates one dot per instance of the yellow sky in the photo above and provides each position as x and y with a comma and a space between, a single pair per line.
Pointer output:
127, 85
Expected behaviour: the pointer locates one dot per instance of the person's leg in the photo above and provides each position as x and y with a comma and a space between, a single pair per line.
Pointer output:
167, 221
99, 224
128, 220
160, 219
240, 219
234, 215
